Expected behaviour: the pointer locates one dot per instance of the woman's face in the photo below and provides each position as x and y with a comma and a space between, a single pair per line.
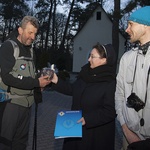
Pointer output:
95, 59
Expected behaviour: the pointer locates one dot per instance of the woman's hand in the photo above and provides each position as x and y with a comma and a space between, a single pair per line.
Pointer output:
82, 120
55, 79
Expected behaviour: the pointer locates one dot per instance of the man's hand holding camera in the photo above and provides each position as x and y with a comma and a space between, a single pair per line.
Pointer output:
43, 81
47, 76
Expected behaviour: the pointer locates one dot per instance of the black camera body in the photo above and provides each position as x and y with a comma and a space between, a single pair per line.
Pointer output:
133, 101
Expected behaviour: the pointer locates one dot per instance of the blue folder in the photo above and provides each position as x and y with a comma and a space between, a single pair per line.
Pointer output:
66, 124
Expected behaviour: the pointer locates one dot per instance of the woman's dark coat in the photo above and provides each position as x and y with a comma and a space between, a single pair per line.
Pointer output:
93, 93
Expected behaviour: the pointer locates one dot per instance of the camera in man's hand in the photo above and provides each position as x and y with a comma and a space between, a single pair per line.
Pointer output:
133, 101
48, 72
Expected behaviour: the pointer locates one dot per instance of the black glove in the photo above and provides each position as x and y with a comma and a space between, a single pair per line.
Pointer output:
140, 145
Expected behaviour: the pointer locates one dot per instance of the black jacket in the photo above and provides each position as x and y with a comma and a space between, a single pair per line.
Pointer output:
141, 145
93, 93
96, 100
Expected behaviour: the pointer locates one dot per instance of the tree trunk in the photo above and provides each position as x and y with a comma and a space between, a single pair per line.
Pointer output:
53, 27
48, 25
66, 27
115, 28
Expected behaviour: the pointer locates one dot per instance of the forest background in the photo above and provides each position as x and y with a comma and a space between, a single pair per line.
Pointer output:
59, 21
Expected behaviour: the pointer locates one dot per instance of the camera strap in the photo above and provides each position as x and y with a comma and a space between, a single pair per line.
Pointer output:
34, 142
142, 119
147, 84
134, 72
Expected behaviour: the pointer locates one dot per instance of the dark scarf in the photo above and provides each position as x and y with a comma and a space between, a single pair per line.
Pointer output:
144, 47
104, 73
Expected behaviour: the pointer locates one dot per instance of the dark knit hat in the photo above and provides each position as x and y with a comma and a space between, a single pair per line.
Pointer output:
110, 54
141, 16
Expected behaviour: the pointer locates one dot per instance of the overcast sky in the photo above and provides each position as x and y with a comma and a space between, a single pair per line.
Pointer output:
109, 5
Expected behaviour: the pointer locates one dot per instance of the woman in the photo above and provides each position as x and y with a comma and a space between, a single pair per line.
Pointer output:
93, 93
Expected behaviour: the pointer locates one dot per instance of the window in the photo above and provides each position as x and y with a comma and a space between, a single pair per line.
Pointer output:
98, 17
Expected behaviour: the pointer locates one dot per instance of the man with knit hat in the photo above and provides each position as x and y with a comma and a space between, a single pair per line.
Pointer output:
133, 82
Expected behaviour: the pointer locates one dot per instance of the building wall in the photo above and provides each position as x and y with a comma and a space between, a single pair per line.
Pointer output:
93, 31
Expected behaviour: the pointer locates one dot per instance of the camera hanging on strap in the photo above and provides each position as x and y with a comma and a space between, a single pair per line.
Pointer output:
133, 101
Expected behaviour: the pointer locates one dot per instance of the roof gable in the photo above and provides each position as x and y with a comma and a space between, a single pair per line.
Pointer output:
97, 8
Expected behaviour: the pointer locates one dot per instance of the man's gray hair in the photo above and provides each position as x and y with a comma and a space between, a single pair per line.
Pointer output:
30, 19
